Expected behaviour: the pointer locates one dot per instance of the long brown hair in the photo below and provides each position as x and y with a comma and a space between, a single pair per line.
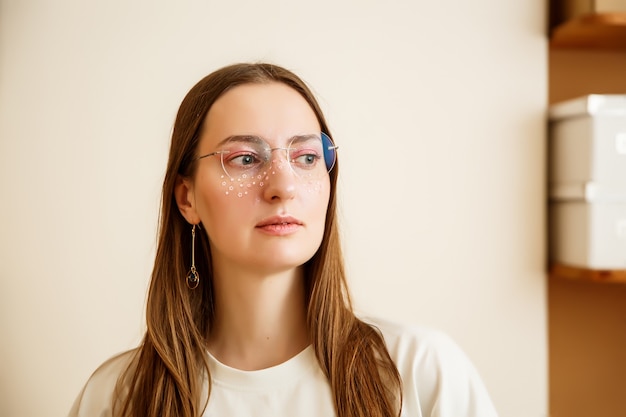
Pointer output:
165, 378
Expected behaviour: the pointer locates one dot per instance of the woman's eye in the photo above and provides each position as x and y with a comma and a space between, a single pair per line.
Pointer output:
306, 159
243, 160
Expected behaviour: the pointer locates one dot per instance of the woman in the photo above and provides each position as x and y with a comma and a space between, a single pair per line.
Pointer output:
248, 312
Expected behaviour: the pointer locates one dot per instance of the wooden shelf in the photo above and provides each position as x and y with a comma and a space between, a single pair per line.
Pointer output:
559, 271
592, 31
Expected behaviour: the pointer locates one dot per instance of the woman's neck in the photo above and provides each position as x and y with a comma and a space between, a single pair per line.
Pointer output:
260, 321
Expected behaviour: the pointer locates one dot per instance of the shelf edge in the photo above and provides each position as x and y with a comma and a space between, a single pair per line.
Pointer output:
560, 271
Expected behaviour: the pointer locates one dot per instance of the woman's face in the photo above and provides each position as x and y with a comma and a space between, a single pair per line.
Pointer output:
262, 210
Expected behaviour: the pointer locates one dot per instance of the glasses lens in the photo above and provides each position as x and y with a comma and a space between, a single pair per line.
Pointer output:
312, 154
330, 151
245, 157
245, 162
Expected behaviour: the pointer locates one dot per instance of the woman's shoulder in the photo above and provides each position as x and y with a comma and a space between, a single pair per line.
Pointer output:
96, 397
418, 347
400, 337
437, 375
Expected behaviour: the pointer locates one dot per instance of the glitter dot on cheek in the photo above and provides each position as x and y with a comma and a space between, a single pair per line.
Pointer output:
314, 186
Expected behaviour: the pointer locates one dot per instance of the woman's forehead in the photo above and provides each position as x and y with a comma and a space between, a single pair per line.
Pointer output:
272, 110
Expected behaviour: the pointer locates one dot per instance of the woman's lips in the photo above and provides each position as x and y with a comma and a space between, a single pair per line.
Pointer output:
279, 225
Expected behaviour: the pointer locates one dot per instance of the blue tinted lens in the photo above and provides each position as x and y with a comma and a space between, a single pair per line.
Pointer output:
330, 153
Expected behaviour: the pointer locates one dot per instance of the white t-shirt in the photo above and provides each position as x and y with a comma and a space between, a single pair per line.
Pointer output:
438, 380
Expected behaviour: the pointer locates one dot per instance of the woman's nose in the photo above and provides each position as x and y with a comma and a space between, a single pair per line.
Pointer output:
281, 180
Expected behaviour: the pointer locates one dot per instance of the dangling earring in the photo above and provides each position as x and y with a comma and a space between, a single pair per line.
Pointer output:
193, 279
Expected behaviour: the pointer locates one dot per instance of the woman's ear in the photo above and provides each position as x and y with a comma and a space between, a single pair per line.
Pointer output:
183, 193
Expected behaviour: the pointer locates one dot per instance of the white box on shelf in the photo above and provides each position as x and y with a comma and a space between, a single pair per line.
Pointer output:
588, 225
587, 140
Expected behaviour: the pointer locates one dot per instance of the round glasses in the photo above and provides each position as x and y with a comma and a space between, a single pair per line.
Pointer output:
247, 160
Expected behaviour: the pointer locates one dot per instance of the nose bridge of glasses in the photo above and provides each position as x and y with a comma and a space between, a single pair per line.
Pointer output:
280, 148
279, 159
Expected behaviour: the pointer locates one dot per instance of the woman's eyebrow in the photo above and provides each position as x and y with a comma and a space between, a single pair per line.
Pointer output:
303, 138
242, 139
260, 140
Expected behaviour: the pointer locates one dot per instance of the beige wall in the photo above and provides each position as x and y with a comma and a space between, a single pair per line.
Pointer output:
438, 109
